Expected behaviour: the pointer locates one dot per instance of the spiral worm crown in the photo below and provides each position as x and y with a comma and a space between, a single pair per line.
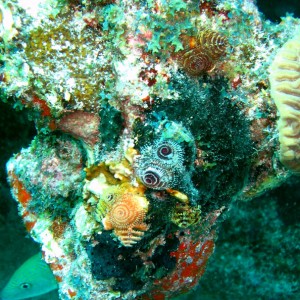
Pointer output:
168, 152
156, 177
126, 213
160, 163
209, 46
212, 43
196, 62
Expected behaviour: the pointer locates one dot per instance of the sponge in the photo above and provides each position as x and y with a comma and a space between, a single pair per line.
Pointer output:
285, 90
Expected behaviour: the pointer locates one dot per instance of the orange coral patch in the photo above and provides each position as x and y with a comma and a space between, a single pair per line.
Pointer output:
29, 225
72, 293
192, 42
22, 194
29, 220
52, 125
159, 296
58, 278
42, 105
56, 267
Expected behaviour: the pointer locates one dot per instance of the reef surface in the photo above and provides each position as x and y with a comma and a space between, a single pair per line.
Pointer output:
152, 117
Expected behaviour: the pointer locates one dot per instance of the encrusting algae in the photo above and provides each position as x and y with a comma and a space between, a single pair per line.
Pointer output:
152, 118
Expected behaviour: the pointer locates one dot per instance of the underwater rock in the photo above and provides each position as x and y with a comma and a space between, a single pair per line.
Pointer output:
140, 145
81, 125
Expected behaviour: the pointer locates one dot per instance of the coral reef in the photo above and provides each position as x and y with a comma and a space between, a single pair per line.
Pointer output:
151, 117
205, 50
285, 85
254, 242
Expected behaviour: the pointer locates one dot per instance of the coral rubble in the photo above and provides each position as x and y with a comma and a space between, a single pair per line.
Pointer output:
152, 117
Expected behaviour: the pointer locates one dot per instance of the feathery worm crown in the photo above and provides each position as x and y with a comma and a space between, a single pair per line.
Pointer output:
160, 164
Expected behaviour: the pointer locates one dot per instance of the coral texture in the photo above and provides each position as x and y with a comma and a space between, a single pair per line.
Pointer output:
81, 125
152, 117
285, 90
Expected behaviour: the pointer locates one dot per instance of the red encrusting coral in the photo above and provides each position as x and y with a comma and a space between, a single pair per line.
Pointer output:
29, 225
194, 249
210, 8
236, 82
58, 278
72, 293
148, 76
23, 197
191, 258
33, 101
42, 105
20, 191
199, 253
55, 267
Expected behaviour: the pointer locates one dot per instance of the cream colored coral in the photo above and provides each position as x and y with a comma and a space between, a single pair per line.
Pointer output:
7, 30
285, 90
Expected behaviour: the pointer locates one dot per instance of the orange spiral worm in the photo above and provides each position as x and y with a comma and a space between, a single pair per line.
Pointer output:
195, 61
129, 237
126, 213
212, 43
